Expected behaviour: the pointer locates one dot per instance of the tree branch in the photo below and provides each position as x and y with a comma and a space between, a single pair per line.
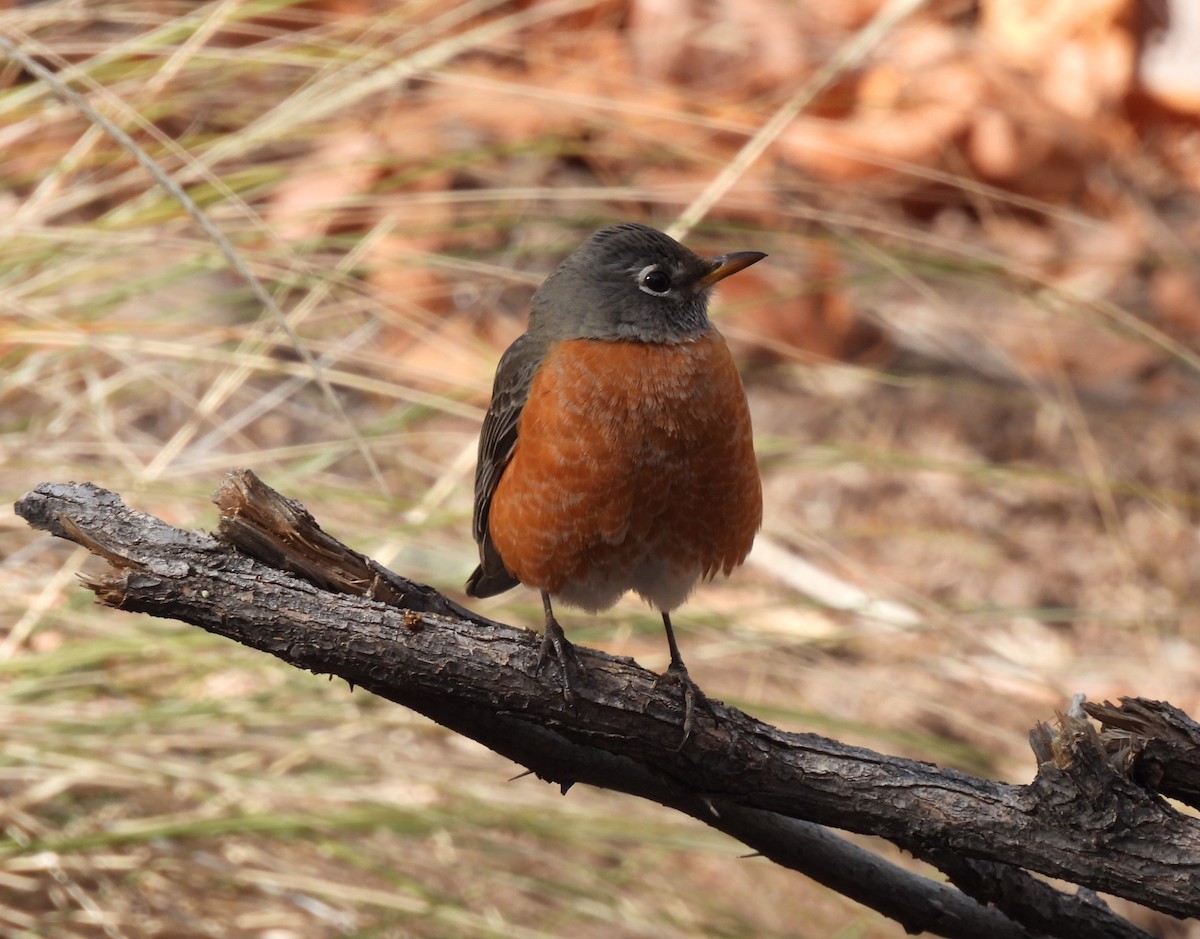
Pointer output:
1154, 743
310, 601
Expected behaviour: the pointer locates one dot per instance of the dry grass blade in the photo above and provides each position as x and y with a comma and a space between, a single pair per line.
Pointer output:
218, 393
850, 54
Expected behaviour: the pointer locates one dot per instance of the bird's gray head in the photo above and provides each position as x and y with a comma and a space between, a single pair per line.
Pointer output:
630, 281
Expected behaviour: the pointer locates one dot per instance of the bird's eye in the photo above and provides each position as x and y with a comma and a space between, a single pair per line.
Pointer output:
654, 281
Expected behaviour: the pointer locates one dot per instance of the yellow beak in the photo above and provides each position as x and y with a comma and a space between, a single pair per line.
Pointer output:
727, 264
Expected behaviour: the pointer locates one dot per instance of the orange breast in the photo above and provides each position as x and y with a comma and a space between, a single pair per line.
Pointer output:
634, 469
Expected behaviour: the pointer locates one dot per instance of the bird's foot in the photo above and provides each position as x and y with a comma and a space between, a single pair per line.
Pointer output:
555, 646
693, 699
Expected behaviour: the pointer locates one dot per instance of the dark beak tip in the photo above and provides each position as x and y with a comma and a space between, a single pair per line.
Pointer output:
750, 257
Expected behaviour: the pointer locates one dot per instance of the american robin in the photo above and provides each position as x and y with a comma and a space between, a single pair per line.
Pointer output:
616, 454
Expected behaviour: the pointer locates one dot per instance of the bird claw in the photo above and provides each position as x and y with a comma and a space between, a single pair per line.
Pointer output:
555, 646
693, 698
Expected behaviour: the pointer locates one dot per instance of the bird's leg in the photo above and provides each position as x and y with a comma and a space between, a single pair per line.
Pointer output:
555, 645
692, 695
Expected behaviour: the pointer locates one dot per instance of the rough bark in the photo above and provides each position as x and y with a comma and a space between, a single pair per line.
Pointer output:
273, 580
1154, 743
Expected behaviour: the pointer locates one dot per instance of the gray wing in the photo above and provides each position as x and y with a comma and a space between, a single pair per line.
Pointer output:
497, 440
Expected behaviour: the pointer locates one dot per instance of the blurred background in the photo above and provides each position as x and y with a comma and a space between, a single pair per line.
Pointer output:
972, 358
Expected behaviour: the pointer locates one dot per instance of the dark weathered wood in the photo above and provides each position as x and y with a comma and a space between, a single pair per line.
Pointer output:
1042, 909
283, 534
1080, 820
1154, 743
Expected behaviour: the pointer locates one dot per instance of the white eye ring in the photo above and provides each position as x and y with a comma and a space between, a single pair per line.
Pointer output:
646, 273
